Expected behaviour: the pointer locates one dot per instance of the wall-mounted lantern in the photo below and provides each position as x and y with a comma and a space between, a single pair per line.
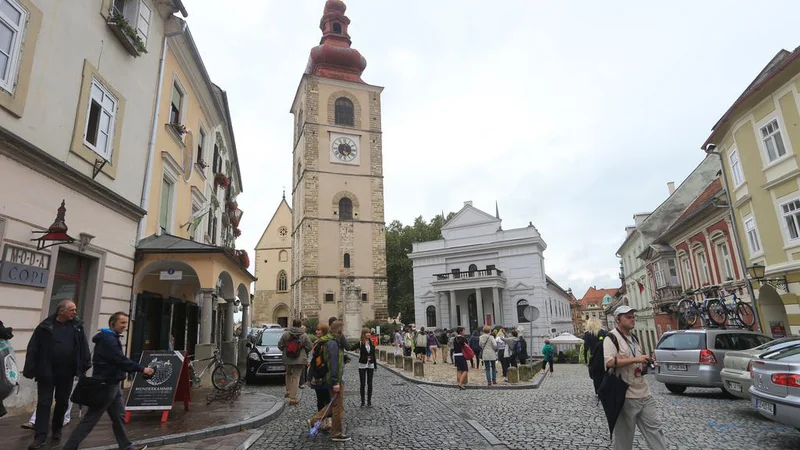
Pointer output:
56, 234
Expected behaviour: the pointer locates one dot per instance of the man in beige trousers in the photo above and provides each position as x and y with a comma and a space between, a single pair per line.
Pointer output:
295, 346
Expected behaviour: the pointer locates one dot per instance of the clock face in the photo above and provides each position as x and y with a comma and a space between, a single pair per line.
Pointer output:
344, 149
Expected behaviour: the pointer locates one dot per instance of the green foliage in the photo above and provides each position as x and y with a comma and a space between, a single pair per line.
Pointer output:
311, 326
399, 268
129, 31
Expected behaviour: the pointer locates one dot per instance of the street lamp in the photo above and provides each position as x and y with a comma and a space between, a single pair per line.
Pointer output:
758, 273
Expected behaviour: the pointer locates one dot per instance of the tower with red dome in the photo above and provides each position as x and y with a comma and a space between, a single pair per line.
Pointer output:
338, 230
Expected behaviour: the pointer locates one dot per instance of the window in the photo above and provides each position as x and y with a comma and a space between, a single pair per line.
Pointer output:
702, 264
217, 162
430, 314
521, 305
659, 275
673, 272
458, 315
201, 145
71, 281
337, 28
346, 261
329, 297
138, 14
214, 225
725, 261
343, 109
12, 19
791, 216
165, 212
736, 168
143, 21
100, 121
682, 341
472, 269
283, 256
753, 242
773, 142
364, 297
299, 124
345, 209
175, 115
282, 283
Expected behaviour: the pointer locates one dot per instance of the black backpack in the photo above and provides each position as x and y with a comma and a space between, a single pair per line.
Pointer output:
597, 362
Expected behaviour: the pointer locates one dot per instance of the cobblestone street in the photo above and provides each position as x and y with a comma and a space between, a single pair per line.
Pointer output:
562, 414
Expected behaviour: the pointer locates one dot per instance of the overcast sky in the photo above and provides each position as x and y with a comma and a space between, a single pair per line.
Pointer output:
571, 114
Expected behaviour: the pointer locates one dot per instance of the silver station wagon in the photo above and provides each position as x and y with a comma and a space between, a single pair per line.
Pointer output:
694, 358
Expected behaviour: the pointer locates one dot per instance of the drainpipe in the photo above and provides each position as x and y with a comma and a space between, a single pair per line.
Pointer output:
710, 149
152, 145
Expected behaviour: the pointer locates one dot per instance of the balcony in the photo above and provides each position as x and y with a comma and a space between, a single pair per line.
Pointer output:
467, 280
667, 296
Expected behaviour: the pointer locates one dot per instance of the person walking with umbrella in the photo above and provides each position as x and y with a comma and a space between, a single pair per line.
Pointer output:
624, 356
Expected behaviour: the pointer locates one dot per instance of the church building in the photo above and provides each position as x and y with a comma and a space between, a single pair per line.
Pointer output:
337, 229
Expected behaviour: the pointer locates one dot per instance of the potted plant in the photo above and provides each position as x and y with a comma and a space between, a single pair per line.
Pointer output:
179, 128
127, 34
222, 180
244, 258
202, 163
237, 232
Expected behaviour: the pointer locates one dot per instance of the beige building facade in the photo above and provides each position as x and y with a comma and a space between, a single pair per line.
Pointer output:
272, 300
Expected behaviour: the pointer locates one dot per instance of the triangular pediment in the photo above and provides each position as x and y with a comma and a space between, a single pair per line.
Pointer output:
470, 216
520, 287
282, 216
429, 293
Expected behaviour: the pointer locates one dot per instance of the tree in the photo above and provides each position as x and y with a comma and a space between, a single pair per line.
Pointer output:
399, 268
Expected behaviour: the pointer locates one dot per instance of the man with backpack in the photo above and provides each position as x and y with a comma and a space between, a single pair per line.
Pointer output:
295, 346
623, 354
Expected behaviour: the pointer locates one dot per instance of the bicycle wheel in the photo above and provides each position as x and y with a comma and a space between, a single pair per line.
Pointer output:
744, 313
224, 376
688, 311
717, 312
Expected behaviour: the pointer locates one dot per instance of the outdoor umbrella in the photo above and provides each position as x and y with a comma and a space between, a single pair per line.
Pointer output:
612, 396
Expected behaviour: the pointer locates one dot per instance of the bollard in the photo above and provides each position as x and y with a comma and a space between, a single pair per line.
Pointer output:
419, 370
409, 364
513, 375
525, 372
382, 355
398, 361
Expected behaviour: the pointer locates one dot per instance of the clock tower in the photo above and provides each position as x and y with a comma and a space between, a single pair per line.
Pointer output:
338, 229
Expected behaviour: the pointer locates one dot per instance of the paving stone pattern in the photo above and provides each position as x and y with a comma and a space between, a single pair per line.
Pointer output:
563, 414
425, 421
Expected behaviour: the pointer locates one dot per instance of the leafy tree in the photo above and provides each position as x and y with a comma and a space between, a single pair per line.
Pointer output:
399, 268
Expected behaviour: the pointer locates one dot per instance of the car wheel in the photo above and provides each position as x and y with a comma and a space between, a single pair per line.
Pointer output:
675, 389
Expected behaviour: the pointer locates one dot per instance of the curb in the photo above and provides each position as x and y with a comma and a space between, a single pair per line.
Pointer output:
538, 379
250, 440
222, 430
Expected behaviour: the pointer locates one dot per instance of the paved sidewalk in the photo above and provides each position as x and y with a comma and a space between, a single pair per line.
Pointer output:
251, 410
242, 440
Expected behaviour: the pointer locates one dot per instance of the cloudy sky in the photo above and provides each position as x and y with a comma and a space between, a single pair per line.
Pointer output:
571, 114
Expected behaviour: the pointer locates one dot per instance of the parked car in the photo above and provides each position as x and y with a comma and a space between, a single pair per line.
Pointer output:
736, 371
264, 358
694, 358
775, 388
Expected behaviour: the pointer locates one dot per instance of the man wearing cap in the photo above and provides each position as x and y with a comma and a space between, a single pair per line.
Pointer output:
640, 407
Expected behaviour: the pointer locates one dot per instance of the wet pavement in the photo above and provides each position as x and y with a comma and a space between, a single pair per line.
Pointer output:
146, 425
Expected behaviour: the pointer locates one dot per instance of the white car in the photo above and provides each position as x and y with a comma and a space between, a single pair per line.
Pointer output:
736, 372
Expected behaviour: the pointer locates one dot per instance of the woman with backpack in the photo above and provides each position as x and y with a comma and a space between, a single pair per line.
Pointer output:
593, 343
489, 355
462, 370
366, 365
522, 350
421, 344
474, 344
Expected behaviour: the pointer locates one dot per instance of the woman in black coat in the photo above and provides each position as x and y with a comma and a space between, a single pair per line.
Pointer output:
366, 365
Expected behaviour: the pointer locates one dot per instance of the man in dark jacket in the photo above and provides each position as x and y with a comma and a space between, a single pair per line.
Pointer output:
56, 354
110, 364
295, 346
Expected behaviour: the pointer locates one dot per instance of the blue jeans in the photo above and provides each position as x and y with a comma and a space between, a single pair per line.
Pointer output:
491, 371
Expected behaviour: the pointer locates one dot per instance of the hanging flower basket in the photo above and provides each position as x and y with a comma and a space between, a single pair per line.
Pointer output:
237, 232
244, 258
232, 205
235, 222
222, 180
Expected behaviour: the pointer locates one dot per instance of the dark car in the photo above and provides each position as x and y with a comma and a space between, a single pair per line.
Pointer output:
265, 359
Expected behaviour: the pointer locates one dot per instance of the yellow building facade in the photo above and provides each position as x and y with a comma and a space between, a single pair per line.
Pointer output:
758, 139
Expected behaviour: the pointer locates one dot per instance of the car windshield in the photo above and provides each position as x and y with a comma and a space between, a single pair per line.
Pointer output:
778, 344
270, 339
682, 341
791, 354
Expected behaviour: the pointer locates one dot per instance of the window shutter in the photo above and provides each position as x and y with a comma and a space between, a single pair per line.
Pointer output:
143, 21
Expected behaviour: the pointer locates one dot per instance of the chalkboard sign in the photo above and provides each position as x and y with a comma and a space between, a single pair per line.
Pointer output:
158, 392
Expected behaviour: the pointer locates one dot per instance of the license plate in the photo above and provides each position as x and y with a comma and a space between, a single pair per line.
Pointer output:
765, 406
681, 367
276, 368
734, 386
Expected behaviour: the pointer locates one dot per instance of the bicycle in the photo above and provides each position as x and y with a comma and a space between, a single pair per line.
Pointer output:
223, 376
711, 308
738, 310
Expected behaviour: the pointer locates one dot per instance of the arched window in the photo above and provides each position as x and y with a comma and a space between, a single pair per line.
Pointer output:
343, 109
283, 256
337, 28
347, 260
282, 282
521, 305
472, 269
430, 313
345, 209
299, 124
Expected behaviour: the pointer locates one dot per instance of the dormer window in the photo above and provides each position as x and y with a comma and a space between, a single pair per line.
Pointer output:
337, 28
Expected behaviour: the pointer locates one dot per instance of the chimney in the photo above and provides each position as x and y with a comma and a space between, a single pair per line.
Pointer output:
671, 187
468, 203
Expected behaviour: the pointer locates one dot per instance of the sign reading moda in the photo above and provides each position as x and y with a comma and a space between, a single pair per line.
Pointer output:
24, 267
156, 393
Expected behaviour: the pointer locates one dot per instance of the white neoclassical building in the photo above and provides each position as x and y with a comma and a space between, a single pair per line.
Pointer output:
480, 274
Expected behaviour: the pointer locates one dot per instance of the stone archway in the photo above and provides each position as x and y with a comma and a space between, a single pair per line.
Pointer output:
280, 315
772, 312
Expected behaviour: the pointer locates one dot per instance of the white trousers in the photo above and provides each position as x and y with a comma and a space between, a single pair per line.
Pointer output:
644, 413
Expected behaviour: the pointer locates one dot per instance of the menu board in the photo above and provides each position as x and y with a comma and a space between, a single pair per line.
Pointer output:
156, 393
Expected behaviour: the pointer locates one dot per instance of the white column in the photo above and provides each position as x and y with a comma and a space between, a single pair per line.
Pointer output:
439, 310
498, 311
453, 316
206, 313
479, 301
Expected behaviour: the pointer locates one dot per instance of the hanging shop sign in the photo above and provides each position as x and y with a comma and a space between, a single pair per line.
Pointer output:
24, 267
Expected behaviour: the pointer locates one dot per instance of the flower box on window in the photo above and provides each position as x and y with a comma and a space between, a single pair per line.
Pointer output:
222, 180
127, 35
202, 163
179, 128
237, 232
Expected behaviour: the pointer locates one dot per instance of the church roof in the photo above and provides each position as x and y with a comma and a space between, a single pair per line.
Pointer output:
334, 58
594, 296
274, 215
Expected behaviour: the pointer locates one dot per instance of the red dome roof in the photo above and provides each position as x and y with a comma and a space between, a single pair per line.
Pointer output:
334, 58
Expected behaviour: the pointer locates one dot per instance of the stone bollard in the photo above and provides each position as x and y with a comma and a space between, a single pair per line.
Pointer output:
382, 355
398, 361
513, 375
409, 364
419, 370
525, 372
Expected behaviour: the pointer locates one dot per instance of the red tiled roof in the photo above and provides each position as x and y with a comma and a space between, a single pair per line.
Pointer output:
595, 296
710, 191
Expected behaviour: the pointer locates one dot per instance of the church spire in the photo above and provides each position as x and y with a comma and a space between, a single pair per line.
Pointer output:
496, 210
334, 58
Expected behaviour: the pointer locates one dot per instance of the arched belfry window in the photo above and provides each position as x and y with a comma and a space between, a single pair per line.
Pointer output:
345, 209
346, 261
521, 305
430, 314
472, 269
282, 282
343, 109
337, 28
